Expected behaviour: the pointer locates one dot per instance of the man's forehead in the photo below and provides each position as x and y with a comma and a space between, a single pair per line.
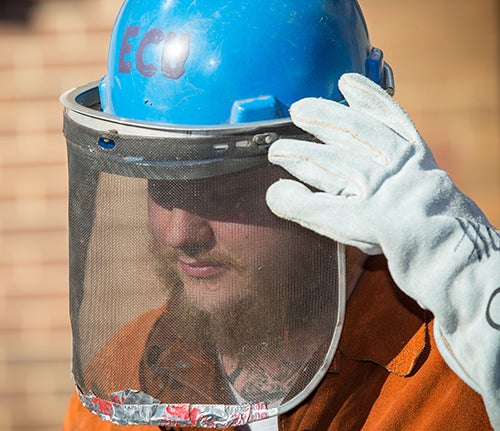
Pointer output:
237, 197
253, 178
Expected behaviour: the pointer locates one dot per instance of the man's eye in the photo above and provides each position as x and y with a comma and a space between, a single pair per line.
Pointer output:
228, 198
218, 196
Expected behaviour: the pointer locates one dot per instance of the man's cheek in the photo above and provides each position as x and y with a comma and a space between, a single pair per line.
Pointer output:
156, 222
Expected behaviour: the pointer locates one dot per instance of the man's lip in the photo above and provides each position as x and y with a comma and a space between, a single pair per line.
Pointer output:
198, 269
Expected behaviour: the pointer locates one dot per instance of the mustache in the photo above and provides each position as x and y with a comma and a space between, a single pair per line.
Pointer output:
172, 255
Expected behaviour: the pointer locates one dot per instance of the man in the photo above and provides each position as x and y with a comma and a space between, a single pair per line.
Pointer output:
387, 344
235, 295
243, 325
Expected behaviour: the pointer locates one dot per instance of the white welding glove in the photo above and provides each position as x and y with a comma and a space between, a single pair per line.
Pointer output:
380, 190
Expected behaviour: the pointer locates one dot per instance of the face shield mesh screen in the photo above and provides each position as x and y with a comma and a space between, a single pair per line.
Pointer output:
192, 292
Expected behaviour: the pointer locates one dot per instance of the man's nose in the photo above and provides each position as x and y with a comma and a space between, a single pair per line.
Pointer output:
179, 228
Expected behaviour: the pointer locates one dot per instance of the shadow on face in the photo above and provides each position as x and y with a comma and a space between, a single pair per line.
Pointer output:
238, 198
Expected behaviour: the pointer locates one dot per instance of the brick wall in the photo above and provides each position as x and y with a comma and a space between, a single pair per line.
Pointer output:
444, 53
446, 57
53, 46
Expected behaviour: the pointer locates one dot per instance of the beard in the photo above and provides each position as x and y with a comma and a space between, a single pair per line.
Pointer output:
277, 306
255, 342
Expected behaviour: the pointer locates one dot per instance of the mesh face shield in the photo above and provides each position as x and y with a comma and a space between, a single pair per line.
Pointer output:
191, 303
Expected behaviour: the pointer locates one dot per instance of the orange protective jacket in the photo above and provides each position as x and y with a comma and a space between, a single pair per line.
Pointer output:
387, 374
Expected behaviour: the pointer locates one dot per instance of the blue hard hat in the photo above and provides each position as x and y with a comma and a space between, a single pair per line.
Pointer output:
223, 62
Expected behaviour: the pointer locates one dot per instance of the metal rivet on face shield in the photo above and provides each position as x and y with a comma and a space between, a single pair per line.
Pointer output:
106, 143
265, 139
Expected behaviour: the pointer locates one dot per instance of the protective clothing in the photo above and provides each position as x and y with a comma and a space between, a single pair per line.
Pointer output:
379, 189
387, 373
168, 172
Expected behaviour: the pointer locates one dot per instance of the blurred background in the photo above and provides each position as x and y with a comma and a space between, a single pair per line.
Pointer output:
445, 54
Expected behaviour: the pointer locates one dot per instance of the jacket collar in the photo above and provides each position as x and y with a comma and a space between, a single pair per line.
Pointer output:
382, 324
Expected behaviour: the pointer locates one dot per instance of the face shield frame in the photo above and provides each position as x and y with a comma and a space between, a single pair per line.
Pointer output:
205, 151
189, 152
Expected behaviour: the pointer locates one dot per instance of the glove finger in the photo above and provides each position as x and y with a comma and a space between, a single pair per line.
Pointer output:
367, 97
339, 125
324, 167
331, 216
